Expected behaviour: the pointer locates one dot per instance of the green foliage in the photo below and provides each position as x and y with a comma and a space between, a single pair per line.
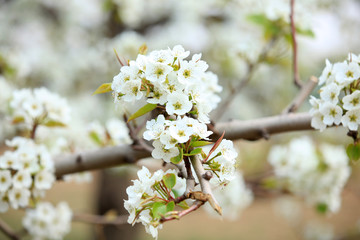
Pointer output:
353, 151
183, 205
321, 208
277, 28
178, 158
51, 123
142, 111
169, 180
194, 152
159, 209
200, 143
104, 88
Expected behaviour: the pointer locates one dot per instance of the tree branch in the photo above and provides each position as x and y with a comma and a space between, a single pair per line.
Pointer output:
97, 159
248, 130
100, 220
297, 81
6, 229
264, 127
205, 184
302, 95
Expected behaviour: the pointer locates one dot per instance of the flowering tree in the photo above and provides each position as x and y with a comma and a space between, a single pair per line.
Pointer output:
171, 112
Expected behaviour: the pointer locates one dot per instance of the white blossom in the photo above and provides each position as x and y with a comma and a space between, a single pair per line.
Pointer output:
178, 103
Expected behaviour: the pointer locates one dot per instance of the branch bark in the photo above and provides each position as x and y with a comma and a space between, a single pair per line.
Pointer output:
248, 130
6, 229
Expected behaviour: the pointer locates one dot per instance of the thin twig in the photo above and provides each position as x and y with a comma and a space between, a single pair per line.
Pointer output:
297, 81
251, 68
7, 230
302, 95
195, 206
98, 219
138, 143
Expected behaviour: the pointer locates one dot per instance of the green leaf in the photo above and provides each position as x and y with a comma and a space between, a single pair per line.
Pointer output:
178, 158
305, 32
200, 143
104, 88
270, 183
52, 123
169, 180
95, 137
170, 206
258, 19
183, 205
145, 109
194, 152
353, 151
18, 119
321, 208
159, 209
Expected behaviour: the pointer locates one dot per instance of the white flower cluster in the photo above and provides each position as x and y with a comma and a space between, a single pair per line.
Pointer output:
339, 97
143, 189
47, 221
318, 174
234, 198
39, 106
166, 78
222, 162
114, 132
24, 173
169, 135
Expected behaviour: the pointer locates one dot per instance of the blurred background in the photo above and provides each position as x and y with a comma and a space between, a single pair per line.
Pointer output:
68, 47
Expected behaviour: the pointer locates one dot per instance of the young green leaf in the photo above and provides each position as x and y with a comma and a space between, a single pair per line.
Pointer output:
104, 88
178, 158
51, 123
145, 109
169, 180
194, 152
170, 206
321, 208
159, 209
183, 205
353, 151
200, 143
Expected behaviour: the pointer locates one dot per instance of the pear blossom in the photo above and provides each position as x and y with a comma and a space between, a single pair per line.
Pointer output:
352, 101
161, 152
327, 75
317, 173
332, 113
351, 119
47, 221
19, 197
178, 103
5, 180
330, 93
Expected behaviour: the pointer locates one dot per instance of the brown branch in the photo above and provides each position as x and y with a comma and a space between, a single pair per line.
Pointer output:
297, 81
248, 130
195, 206
6, 229
98, 219
302, 95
